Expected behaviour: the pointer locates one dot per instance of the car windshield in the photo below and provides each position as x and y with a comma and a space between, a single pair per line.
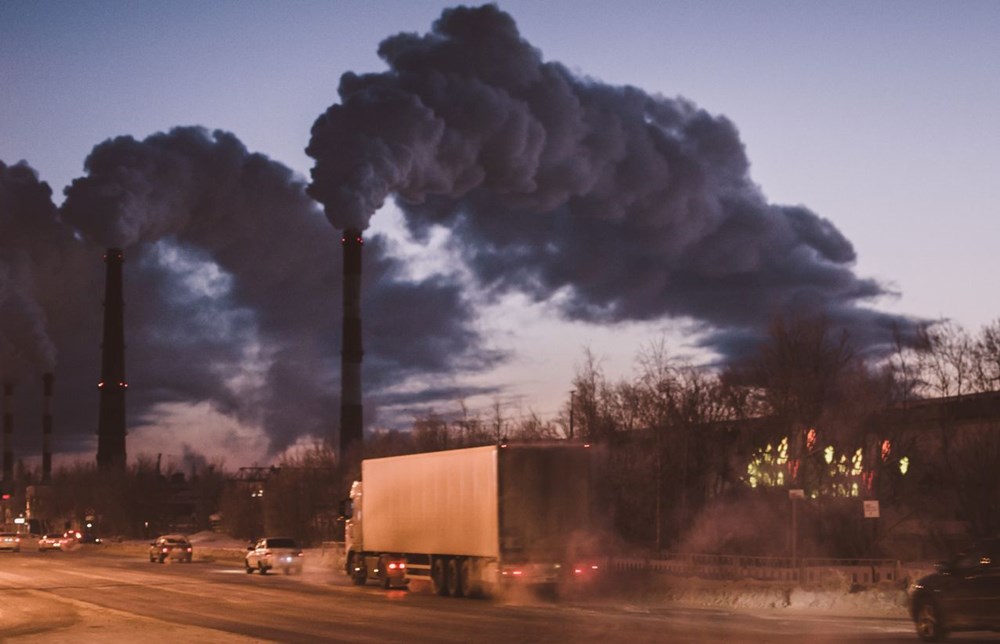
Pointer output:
280, 543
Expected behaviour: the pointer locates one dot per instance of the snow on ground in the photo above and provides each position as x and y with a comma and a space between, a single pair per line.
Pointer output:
880, 600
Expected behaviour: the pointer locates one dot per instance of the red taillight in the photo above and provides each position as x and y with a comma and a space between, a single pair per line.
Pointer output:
165, 549
189, 549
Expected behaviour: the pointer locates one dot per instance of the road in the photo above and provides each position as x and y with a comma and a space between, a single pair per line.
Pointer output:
92, 595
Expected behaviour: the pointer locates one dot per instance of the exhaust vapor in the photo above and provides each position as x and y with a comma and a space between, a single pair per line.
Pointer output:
632, 205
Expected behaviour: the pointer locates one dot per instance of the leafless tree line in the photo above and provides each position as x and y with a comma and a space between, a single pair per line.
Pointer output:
698, 458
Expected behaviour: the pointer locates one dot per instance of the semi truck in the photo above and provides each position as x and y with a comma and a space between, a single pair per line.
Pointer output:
473, 521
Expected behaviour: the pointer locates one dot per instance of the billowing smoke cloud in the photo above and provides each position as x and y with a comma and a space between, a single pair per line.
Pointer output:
27, 218
232, 288
629, 206
239, 295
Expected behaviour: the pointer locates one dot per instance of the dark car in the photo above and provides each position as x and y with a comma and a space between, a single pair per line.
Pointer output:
171, 546
963, 595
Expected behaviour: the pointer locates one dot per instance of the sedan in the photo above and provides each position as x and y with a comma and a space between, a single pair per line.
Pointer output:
274, 552
171, 546
10, 541
963, 595
50, 542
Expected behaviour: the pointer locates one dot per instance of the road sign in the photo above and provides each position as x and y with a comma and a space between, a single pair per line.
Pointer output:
871, 509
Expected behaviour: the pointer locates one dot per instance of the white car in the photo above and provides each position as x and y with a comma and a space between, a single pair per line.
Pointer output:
50, 542
10, 541
274, 552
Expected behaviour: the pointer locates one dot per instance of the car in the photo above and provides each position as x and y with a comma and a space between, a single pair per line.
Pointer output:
50, 542
963, 595
10, 541
171, 546
274, 552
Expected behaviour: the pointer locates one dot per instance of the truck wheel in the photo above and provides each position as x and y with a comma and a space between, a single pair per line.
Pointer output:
249, 567
439, 577
465, 579
455, 588
359, 576
383, 574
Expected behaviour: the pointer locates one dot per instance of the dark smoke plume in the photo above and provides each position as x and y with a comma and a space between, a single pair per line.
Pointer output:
27, 219
630, 206
233, 285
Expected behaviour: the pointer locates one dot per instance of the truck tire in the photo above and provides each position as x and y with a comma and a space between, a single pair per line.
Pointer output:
383, 574
455, 588
359, 575
439, 576
470, 587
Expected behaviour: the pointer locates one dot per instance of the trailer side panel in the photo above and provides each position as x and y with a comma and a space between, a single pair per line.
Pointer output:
437, 502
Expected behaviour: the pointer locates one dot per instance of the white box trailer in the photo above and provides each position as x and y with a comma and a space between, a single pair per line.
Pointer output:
470, 519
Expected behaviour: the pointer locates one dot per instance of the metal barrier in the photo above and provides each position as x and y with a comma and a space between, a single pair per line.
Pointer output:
730, 567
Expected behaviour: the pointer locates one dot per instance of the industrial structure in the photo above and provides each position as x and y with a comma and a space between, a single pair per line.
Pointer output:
351, 423
111, 415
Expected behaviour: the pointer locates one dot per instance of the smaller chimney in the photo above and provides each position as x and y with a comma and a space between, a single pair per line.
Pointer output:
47, 383
8, 432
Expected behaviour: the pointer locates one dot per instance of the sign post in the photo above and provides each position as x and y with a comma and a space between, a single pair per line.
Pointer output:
795, 495
871, 511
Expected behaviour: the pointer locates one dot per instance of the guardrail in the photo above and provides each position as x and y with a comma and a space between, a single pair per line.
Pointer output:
731, 567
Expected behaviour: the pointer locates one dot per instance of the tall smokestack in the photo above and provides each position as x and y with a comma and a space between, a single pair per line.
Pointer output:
8, 431
47, 383
351, 431
111, 416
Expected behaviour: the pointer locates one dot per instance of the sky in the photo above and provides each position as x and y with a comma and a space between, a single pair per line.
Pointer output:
672, 170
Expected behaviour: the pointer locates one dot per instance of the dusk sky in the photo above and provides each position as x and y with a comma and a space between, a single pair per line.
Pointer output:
873, 178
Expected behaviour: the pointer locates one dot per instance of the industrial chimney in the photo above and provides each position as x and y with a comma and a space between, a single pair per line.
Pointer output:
47, 382
351, 432
8, 431
111, 415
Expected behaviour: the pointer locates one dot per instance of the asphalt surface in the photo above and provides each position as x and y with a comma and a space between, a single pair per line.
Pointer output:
93, 595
